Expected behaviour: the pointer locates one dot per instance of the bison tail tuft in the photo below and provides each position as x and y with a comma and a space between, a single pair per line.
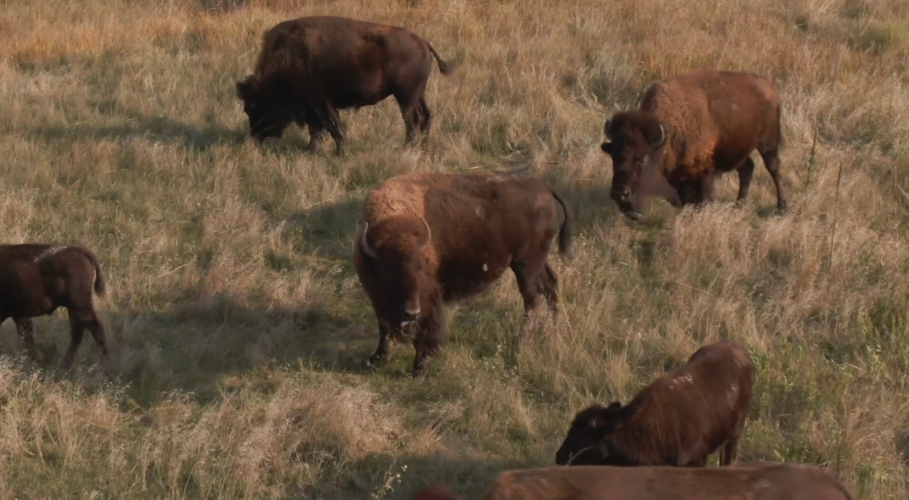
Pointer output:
565, 230
444, 67
434, 492
100, 288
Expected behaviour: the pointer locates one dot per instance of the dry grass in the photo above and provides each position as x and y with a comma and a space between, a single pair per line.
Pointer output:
237, 318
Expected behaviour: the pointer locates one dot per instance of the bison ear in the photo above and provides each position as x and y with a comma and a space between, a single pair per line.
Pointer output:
606, 147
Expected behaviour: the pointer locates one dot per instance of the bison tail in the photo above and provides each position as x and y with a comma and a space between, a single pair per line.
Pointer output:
434, 492
565, 230
100, 288
444, 67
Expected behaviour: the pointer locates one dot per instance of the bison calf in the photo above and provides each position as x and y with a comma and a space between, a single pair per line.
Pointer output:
679, 419
311, 67
36, 279
766, 482
425, 240
690, 129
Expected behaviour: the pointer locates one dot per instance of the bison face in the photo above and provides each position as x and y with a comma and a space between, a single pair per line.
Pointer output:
396, 256
587, 439
268, 117
636, 145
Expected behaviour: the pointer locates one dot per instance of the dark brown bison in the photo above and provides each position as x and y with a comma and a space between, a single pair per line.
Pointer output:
36, 279
765, 482
690, 129
309, 68
425, 240
678, 420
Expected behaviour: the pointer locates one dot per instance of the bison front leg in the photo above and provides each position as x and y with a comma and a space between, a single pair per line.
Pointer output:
26, 330
427, 339
746, 170
380, 357
315, 136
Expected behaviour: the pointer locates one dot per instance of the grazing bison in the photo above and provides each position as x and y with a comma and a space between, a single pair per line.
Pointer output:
679, 419
765, 482
425, 240
690, 129
36, 279
309, 68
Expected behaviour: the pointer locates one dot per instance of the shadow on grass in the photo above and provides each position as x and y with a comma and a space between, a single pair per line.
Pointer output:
155, 127
199, 342
326, 229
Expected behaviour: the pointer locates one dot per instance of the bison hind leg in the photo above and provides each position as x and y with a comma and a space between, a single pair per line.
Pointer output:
425, 117
771, 159
550, 285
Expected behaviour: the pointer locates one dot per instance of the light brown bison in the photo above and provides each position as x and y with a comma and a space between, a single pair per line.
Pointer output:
36, 279
425, 240
690, 129
679, 419
764, 482
311, 67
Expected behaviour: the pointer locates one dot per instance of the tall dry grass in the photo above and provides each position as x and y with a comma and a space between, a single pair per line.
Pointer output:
237, 318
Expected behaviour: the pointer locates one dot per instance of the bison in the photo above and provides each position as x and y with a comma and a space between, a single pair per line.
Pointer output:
36, 279
311, 67
677, 420
765, 482
689, 130
425, 240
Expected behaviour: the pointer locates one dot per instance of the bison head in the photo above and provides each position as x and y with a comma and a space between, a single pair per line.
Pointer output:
268, 116
636, 145
587, 439
394, 250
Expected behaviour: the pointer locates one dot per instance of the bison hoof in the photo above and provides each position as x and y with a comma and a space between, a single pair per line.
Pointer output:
373, 363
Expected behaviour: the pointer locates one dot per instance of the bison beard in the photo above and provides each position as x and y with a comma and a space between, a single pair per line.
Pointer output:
312, 67
426, 240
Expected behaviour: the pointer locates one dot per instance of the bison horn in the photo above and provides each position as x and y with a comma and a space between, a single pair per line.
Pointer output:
428, 231
364, 244
659, 142
606, 128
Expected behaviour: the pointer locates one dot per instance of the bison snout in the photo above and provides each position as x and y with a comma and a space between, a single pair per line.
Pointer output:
410, 315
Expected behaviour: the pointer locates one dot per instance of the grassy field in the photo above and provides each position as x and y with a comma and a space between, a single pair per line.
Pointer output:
237, 321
